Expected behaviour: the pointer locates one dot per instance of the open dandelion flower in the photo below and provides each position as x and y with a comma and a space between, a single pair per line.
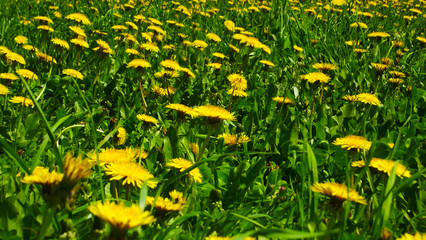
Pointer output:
213, 37
421, 39
353, 142
416, 236
359, 24
79, 17
61, 43
230, 25
231, 139
350, 98
385, 166
147, 118
21, 39
45, 57
378, 35
80, 42
182, 109
200, 44
103, 47
176, 203
297, 48
236, 93
214, 113
45, 28
397, 74
338, 192
138, 63
368, 98
234, 48
43, 19
78, 30
182, 165
120, 217
395, 80
168, 63
152, 47
316, 76
8, 76
42, 176
25, 73
73, 73
4, 90
120, 137
156, 29
238, 81
111, 155
217, 238
164, 92
219, 55
188, 72
283, 100
14, 57
325, 67
132, 173
75, 169
22, 100
215, 65
267, 63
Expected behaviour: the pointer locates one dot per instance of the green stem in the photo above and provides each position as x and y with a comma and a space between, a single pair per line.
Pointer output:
203, 147
311, 117
48, 214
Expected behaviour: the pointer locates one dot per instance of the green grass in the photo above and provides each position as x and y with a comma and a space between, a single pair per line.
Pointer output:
260, 188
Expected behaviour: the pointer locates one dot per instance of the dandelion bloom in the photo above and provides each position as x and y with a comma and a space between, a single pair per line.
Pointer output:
46, 28
219, 55
168, 63
9, 76
238, 81
353, 142
378, 35
325, 66
46, 58
4, 50
78, 17
43, 19
236, 93
187, 72
297, 48
4, 90
147, 118
75, 169
120, 217
61, 43
25, 73
395, 80
368, 98
30, 48
111, 155
132, 173
121, 136
234, 48
385, 166
177, 202
283, 100
231, 139
338, 192
351, 98
21, 39
359, 51
73, 73
132, 51
267, 63
421, 39
80, 42
78, 30
230, 25
359, 24
152, 47
103, 47
138, 64
416, 236
157, 29
316, 76
14, 57
200, 44
182, 165
164, 92
42, 176
397, 74
217, 238
214, 113
132, 25
169, 47
213, 37
182, 108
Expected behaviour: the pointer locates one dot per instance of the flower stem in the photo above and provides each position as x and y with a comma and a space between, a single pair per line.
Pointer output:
311, 117
48, 214
140, 88
203, 147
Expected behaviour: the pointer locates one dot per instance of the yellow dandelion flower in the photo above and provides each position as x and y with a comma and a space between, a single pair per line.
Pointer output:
43, 19
182, 108
152, 47
353, 142
75, 169
73, 73
217, 238
236, 93
397, 74
4, 50
14, 57
169, 47
395, 80
4, 90
386, 61
9, 76
267, 63
30, 48
297, 48
120, 217
79, 17
368, 98
61, 43
358, 24
156, 29
219, 55
421, 39
168, 63
104, 47
138, 63
316, 76
352, 43
77, 30
284, 100
155, 21
215, 65
385, 166
132, 173
338, 192
188, 72
231, 139
183, 164
359, 51
28, 74
121, 136
230, 25
45, 57
213, 37
351, 98
132, 51
42, 176
22, 100
57, 14
325, 66
100, 32
214, 113
177, 202
163, 92
80, 42
21, 39
416, 236
195, 149
132, 25
46, 28
238, 81
234, 48
147, 118
378, 35
111, 155
200, 44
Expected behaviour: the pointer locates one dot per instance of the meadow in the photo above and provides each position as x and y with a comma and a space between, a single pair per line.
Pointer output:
211, 119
